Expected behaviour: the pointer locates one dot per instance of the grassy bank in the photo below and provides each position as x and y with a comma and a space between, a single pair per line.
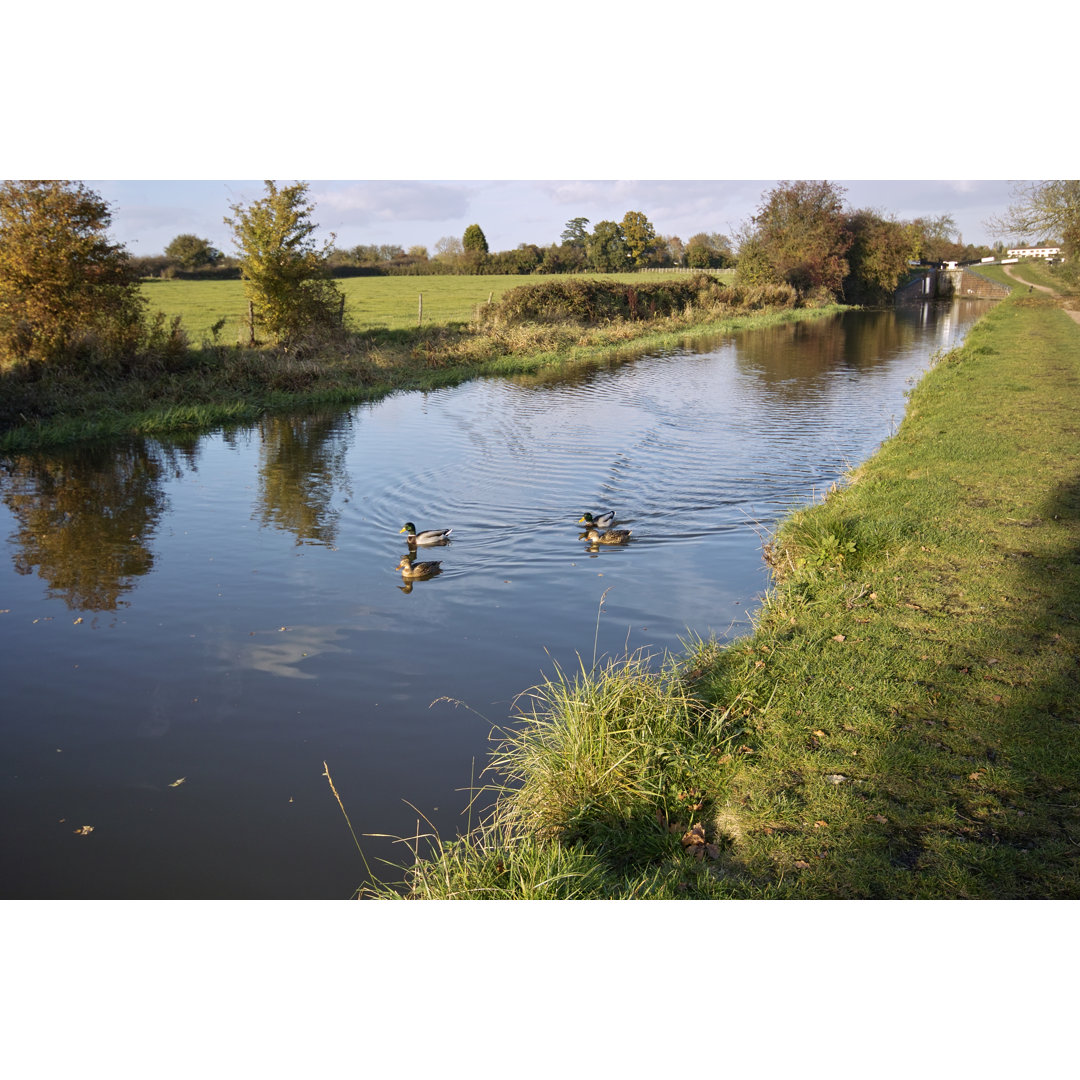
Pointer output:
222, 383
903, 723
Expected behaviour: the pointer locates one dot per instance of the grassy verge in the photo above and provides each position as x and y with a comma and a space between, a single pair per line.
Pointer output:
903, 723
229, 384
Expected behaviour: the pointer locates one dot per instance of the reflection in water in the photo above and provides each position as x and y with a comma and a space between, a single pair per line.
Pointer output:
302, 464
86, 518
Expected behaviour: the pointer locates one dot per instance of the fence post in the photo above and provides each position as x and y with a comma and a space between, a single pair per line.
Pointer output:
341, 314
420, 311
251, 323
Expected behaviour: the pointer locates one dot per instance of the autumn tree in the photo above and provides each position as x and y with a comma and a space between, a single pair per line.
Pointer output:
800, 234
192, 252
286, 276
639, 237
66, 292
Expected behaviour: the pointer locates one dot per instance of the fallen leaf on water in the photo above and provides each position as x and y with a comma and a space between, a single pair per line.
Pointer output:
86, 830
77, 621
177, 783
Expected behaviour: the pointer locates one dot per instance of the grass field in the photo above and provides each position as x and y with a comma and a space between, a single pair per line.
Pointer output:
389, 303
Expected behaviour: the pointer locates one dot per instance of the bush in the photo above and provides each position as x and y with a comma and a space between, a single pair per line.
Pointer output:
591, 301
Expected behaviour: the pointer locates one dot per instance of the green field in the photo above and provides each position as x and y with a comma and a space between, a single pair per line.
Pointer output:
390, 303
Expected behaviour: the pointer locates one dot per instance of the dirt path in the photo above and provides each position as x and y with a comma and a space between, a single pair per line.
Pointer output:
1074, 315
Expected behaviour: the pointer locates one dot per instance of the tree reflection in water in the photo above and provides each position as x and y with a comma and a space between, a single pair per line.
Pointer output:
301, 466
86, 518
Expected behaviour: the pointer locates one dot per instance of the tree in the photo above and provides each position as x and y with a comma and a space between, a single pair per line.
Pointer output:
1049, 207
639, 235
475, 240
935, 238
192, 252
66, 292
286, 276
576, 231
705, 250
607, 248
878, 257
449, 248
801, 234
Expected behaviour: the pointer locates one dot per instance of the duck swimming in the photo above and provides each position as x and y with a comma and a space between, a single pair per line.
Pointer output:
601, 521
428, 536
609, 536
412, 570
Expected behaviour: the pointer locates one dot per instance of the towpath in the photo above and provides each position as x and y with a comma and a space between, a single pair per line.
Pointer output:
1073, 314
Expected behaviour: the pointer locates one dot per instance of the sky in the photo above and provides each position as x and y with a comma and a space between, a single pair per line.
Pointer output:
147, 214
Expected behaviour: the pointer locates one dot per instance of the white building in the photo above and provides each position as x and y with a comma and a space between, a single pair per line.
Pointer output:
1035, 253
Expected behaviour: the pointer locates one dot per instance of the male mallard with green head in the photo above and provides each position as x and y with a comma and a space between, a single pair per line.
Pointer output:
601, 521
427, 537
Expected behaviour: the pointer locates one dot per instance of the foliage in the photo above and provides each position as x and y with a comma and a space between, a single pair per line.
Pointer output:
801, 236
878, 257
607, 250
639, 236
576, 231
709, 250
474, 239
589, 301
66, 293
285, 274
192, 253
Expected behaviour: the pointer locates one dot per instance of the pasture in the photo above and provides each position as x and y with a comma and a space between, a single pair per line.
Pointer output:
371, 303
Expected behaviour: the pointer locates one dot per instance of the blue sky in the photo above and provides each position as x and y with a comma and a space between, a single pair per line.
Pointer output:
147, 214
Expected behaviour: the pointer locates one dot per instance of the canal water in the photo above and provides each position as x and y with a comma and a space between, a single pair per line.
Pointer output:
190, 628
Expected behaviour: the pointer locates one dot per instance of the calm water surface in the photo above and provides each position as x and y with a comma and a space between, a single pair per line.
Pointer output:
226, 609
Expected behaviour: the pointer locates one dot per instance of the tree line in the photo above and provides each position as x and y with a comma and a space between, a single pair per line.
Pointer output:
67, 293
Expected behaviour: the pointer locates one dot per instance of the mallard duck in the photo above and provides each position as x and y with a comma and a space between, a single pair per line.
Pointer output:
601, 521
428, 536
609, 536
412, 570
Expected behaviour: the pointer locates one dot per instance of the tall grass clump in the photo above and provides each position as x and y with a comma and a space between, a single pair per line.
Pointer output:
598, 749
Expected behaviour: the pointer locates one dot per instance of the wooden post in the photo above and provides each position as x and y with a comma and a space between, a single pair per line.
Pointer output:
341, 313
251, 323
420, 311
